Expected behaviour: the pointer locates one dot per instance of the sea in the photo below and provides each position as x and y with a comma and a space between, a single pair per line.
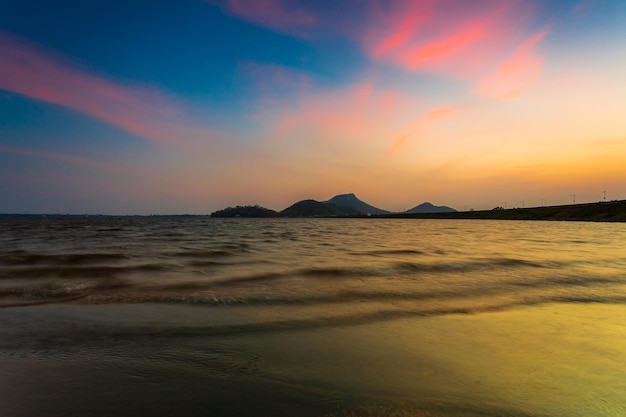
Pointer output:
343, 317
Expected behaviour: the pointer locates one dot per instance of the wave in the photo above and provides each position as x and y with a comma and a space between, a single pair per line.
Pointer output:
386, 252
21, 257
393, 270
78, 272
275, 324
379, 293
475, 265
224, 249
203, 253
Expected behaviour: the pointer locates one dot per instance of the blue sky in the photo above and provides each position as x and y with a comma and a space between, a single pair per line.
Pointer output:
168, 107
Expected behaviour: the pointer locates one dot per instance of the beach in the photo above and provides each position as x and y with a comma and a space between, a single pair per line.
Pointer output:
255, 318
164, 360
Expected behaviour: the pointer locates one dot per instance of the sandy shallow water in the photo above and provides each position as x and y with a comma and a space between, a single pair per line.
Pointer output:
150, 359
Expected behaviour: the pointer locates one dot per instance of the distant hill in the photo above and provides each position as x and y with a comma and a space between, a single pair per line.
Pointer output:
313, 208
338, 206
351, 201
429, 208
245, 211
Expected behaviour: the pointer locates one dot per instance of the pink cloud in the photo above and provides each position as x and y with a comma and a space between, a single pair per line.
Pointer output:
147, 113
359, 113
280, 15
520, 71
407, 26
443, 36
440, 36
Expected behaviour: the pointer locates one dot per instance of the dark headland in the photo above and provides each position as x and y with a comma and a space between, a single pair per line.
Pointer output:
609, 211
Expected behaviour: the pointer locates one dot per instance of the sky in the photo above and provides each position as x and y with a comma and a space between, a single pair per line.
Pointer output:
187, 107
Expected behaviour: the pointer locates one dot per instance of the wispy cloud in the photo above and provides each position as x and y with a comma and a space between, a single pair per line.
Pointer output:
439, 36
520, 71
420, 125
279, 15
269, 78
583, 6
360, 114
78, 161
144, 112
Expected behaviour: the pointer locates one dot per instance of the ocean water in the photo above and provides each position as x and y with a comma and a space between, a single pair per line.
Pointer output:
311, 317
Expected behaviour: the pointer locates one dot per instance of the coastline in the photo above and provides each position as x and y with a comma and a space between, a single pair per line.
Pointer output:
609, 211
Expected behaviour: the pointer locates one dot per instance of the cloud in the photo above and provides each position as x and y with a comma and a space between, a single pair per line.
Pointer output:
420, 125
147, 113
583, 6
269, 78
442, 36
279, 15
520, 71
61, 157
436, 36
358, 114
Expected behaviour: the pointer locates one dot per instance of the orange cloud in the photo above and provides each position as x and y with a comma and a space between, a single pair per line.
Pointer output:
520, 71
146, 113
420, 125
440, 112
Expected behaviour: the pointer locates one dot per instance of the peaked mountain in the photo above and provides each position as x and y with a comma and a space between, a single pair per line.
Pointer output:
429, 208
313, 208
352, 202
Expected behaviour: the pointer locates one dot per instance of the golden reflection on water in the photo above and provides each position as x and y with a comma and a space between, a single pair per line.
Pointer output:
557, 360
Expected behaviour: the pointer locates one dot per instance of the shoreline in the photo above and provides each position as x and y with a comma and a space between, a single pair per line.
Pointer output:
524, 362
604, 211
609, 211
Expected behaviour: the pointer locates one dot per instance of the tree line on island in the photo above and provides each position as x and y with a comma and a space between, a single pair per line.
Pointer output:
342, 205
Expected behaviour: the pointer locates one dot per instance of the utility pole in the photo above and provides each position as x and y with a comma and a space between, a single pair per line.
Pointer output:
574, 198
604, 199
544, 202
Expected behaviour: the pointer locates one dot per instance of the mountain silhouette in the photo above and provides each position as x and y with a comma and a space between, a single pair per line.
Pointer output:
429, 208
351, 201
245, 211
313, 208
339, 206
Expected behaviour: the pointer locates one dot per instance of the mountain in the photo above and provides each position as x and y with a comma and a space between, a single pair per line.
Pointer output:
429, 208
352, 202
338, 206
313, 208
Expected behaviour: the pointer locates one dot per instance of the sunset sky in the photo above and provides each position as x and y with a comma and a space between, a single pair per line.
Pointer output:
157, 107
